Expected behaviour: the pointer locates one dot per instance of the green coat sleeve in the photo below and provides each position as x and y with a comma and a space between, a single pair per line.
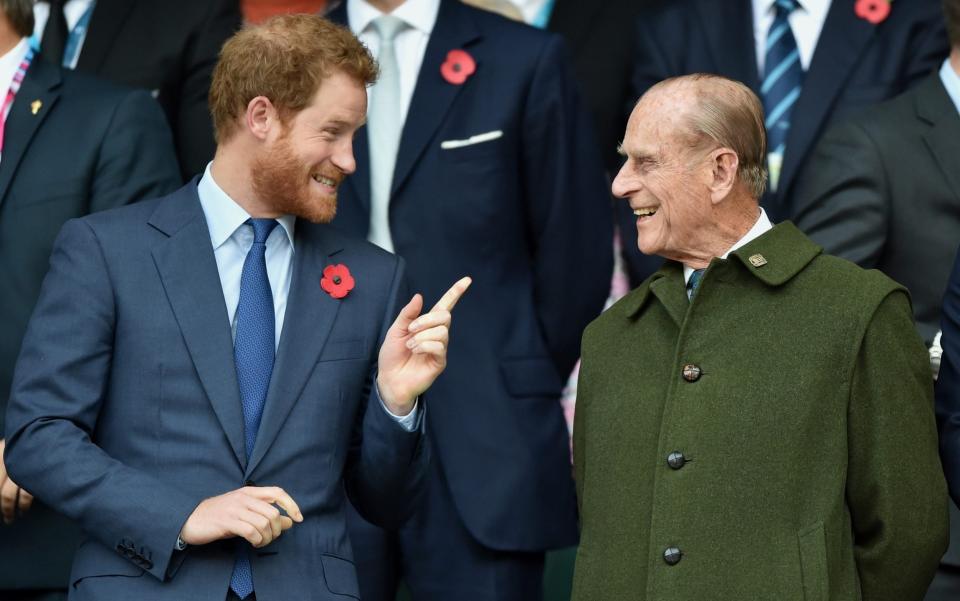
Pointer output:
895, 485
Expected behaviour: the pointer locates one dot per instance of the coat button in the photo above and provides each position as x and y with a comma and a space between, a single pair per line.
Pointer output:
691, 373
672, 556
676, 460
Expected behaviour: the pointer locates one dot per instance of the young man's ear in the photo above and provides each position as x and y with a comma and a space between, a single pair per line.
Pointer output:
261, 117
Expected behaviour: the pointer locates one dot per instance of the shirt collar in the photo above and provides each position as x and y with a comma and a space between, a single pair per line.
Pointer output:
951, 81
10, 62
761, 227
418, 14
224, 216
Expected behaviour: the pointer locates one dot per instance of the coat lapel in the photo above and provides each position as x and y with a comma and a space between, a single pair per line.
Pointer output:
41, 83
728, 26
839, 48
307, 323
105, 24
190, 278
433, 96
936, 108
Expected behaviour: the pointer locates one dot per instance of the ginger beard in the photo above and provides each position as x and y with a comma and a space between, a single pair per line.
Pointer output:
281, 177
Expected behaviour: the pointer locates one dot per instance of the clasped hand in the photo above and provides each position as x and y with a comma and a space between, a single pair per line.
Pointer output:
413, 354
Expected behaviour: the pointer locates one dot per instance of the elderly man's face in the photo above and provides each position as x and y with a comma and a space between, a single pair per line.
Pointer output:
663, 180
302, 165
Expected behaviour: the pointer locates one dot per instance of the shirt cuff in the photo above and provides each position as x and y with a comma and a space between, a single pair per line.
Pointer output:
408, 422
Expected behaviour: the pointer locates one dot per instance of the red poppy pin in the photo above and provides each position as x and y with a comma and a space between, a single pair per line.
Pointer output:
458, 67
874, 11
337, 281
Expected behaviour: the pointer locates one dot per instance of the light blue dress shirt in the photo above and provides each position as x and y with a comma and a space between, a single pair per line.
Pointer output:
231, 243
951, 81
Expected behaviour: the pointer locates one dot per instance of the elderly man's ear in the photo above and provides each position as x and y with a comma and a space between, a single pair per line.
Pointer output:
724, 163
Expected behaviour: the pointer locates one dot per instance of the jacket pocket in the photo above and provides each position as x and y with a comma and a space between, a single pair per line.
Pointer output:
531, 377
340, 576
813, 563
341, 350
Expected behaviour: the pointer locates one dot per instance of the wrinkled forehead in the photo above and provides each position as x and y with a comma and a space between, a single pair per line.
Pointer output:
658, 123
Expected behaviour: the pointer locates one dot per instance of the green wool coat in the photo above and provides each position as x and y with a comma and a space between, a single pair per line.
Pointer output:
810, 468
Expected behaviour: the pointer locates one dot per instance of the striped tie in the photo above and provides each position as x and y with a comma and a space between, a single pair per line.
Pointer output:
694, 282
781, 84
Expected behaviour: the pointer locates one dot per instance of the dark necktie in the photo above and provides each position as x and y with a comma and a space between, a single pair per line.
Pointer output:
253, 352
694, 282
55, 34
783, 77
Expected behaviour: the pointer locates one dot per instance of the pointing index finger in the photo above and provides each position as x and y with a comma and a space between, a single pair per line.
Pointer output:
449, 300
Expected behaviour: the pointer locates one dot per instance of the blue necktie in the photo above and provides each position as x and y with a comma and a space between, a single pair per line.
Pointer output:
694, 282
783, 78
253, 352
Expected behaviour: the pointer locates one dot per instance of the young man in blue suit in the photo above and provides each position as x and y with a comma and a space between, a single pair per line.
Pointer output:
479, 156
147, 403
811, 62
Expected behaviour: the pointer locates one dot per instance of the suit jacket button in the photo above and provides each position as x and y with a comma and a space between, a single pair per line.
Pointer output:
691, 373
676, 460
672, 556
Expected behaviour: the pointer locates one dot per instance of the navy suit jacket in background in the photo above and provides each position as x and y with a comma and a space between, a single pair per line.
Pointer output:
527, 215
948, 384
855, 64
89, 146
125, 410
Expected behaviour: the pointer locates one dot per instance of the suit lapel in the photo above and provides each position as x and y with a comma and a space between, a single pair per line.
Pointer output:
936, 108
433, 96
41, 83
190, 278
728, 26
839, 48
105, 23
307, 323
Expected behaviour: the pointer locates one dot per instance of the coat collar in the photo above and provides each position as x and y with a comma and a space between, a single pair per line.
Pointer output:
785, 252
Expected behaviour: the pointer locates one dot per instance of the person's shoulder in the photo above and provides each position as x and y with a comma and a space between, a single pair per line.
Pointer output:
507, 33
121, 221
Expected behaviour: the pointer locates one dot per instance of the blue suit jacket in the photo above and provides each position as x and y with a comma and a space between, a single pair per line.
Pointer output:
125, 410
948, 384
855, 64
528, 217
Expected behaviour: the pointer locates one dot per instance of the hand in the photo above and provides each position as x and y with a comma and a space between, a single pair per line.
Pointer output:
14, 501
414, 351
247, 512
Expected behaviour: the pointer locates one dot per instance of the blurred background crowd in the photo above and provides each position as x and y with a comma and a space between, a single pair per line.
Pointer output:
509, 146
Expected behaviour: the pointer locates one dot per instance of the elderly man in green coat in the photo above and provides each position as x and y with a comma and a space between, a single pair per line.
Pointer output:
755, 421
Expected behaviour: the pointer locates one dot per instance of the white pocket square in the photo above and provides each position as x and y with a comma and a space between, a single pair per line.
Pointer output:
477, 139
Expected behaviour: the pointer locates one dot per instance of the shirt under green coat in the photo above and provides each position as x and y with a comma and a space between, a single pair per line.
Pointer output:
812, 470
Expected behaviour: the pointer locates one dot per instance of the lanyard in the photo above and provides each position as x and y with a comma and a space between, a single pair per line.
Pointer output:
12, 92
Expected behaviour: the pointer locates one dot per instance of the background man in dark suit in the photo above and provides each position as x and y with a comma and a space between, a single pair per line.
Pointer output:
146, 402
168, 48
72, 145
824, 63
883, 190
948, 405
492, 170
